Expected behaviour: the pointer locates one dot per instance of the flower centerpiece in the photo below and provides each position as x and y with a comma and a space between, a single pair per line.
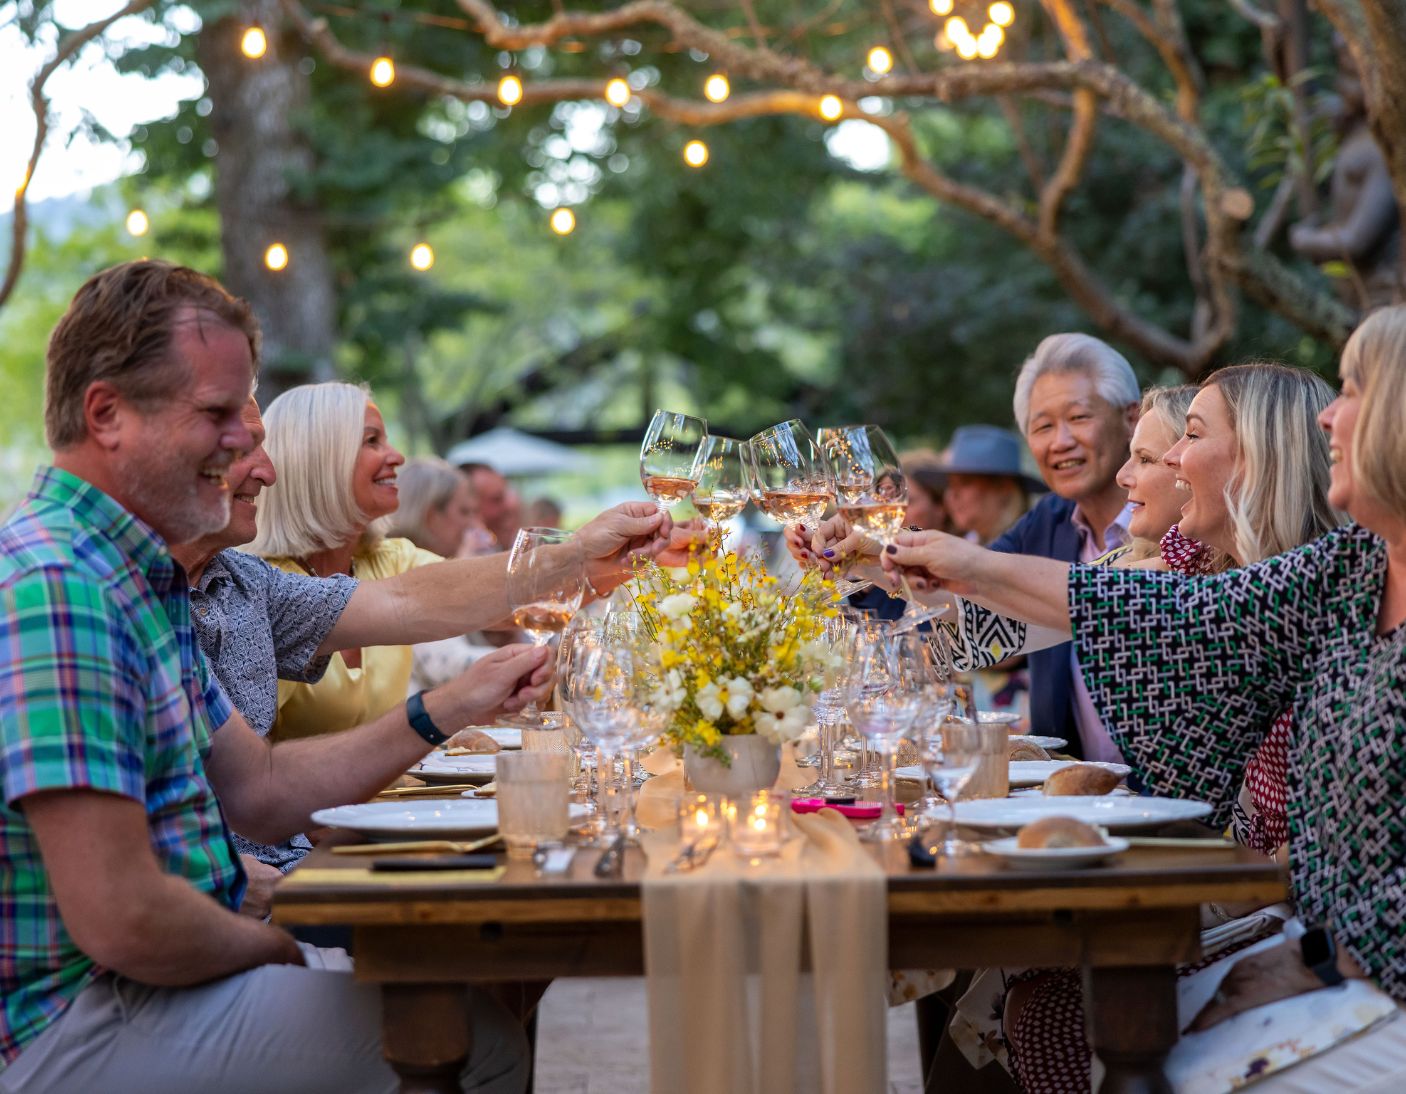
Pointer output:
738, 660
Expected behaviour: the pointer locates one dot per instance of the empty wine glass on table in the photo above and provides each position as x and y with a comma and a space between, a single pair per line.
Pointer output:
545, 582
951, 753
871, 493
722, 490
669, 456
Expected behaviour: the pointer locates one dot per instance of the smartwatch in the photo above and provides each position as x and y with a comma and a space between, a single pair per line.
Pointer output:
421, 722
1320, 955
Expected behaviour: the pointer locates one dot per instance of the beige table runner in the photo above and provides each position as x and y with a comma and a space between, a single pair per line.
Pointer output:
729, 1008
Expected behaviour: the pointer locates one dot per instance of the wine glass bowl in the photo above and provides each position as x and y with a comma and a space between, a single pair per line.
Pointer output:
669, 456
545, 582
790, 479
722, 490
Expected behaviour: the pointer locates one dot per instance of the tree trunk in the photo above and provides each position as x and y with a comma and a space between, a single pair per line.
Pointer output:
255, 104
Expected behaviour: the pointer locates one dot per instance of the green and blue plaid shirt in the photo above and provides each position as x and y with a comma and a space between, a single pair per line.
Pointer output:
102, 687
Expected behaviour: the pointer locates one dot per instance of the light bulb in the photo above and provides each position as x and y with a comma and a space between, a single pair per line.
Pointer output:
831, 108
383, 71
254, 42
1002, 13
716, 89
966, 48
276, 257
563, 221
138, 224
956, 29
940, 7
695, 153
510, 90
880, 61
422, 256
617, 92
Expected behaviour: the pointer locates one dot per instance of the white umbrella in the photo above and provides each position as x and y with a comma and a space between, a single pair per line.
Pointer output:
512, 452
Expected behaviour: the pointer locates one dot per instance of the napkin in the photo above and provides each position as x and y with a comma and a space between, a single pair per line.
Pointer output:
729, 1008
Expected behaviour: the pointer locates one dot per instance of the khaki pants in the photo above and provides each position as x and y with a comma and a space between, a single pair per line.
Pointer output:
277, 1029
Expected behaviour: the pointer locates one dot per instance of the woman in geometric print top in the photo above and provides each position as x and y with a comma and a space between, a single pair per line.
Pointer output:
1319, 630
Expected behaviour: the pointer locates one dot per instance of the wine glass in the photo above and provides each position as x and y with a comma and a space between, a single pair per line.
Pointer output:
886, 693
789, 477
546, 580
602, 697
871, 493
951, 751
669, 456
829, 709
722, 489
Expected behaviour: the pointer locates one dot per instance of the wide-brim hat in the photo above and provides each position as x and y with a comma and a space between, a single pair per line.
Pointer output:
981, 450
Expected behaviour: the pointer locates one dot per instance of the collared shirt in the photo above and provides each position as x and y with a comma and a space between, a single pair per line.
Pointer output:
1098, 745
257, 625
102, 687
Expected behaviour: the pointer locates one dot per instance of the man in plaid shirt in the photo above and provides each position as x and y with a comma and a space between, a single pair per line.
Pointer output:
123, 962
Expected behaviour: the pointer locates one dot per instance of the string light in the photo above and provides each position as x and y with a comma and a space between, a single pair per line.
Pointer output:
422, 256
986, 46
383, 71
716, 89
563, 221
880, 61
1002, 13
967, 48
940, 7
956, 29
254, 43
617, 92
695, 153
276, 257
510, 90
831, 108
138, 223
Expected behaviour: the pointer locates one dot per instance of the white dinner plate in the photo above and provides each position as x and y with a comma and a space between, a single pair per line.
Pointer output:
448, 819
1046, 743
1053, 858
1109, 811
997, 717
506, 736
1035, 772
439, 769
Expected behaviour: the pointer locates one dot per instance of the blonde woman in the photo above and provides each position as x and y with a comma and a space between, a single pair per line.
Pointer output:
326, 514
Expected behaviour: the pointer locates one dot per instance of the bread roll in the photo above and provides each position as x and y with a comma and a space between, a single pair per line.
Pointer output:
1024, 750
470, 740
1058, 832
1081, 779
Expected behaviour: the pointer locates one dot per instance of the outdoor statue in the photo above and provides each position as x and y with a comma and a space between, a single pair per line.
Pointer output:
1363, 224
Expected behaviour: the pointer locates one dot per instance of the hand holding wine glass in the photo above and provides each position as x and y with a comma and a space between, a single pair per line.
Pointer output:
546, 581
669, 456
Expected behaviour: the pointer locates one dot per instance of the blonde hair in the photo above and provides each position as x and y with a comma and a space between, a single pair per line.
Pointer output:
313, 437
1168, 405
427, 484
1278, 497
1375, 359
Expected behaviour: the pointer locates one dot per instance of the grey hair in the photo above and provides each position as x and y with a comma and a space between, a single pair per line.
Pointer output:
426, 484
1278, 497
1060, 353
313, 437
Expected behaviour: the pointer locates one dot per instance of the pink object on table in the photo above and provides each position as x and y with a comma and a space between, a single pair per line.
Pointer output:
861, 811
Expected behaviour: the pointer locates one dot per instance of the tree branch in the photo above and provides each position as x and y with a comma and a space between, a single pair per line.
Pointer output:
19, 224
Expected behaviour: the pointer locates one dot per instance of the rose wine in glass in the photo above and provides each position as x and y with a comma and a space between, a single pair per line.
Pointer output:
789, 476
669, 456
722, 491
546, 581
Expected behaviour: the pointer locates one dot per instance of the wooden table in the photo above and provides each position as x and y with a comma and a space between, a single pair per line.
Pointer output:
1128, 924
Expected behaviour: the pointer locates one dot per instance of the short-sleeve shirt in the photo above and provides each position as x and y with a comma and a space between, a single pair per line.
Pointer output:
347, 696
102, 687
1190, 674
257, 625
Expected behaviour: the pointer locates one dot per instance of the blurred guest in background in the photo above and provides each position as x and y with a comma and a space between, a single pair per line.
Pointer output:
985, 489
438, 508
923, 467
499, 506
543, 513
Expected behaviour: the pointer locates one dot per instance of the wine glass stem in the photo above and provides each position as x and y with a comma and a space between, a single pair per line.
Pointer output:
827, 750
888, 755
609, 783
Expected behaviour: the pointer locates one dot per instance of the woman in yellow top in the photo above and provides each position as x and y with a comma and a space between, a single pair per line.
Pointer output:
326, 515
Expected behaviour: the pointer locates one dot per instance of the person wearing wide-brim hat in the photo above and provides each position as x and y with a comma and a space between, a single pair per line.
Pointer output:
984, 488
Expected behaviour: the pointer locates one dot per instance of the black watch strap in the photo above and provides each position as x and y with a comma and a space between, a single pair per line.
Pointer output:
421, 722
1320, 954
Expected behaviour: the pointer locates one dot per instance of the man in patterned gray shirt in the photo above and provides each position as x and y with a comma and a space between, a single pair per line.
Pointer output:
258, 624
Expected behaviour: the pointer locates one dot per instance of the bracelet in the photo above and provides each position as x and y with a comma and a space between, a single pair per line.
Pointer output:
420, 720
591, 587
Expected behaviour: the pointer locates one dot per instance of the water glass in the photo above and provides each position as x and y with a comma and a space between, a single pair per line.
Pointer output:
756, 826
532, 793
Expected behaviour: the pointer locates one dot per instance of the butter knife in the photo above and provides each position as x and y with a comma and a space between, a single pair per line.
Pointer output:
612, 861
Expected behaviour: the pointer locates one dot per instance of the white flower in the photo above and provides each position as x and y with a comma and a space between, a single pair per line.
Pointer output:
671, 691
782, 727
739, 696
779, 700
677, 605
710, 701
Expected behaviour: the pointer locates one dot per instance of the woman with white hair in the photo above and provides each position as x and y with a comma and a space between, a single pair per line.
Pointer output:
326, 514
1190, 675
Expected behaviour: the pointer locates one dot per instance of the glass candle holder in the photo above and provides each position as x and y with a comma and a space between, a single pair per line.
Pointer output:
756, 826
532, 805
700, 815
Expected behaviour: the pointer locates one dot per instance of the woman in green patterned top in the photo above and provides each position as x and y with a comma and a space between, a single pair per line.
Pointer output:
1321, 629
